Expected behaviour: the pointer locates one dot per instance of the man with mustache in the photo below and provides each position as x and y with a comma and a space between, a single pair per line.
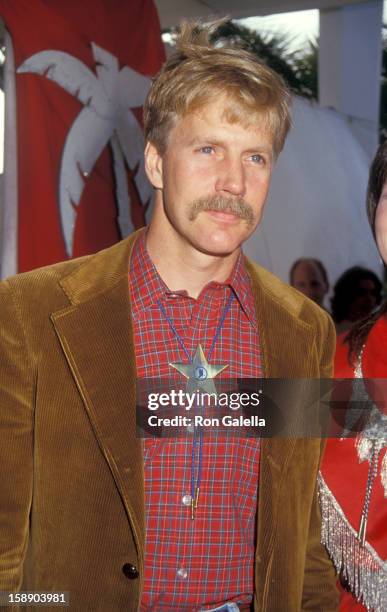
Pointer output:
179, 523
236, 206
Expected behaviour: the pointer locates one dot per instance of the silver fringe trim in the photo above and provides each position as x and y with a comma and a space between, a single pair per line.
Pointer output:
373, 438
361, 566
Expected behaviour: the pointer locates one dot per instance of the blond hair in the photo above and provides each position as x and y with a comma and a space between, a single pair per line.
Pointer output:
198, 71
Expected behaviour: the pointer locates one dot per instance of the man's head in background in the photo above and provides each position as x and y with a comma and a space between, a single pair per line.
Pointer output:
215, 120
309, 276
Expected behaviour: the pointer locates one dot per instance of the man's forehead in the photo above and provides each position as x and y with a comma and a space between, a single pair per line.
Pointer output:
308, 267
227, 111
213, 119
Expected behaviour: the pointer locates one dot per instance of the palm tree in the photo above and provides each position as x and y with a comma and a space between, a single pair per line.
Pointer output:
305, 65
271, 49
107, 95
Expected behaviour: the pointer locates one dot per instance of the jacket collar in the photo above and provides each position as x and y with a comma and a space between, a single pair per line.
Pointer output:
100, 272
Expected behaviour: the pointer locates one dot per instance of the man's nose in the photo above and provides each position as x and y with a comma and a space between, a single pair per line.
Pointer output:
231, 177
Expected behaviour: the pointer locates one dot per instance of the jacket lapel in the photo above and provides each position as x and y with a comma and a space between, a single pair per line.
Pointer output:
278, 325
96, 336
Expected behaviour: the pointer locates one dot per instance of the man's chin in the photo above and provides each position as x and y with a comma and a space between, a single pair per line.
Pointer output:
218, 248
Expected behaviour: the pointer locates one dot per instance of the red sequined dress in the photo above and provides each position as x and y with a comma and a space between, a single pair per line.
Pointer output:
353, 482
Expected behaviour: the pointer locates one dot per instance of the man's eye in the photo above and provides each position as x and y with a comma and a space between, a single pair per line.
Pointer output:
207, 149
257, 158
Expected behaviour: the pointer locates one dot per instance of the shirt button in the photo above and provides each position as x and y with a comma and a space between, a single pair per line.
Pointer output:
182, 573
186, 499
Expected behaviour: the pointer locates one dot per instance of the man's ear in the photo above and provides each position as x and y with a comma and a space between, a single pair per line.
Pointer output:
153, 165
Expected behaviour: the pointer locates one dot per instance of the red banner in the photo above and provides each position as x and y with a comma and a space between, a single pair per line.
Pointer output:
82, 73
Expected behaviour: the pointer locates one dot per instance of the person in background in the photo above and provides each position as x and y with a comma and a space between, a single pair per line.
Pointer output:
353, 487
309, 276
356, 293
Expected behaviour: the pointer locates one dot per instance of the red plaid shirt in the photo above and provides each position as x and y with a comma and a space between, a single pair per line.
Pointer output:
196, 564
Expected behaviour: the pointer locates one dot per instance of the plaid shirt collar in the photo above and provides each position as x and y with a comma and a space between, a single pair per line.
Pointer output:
147, 287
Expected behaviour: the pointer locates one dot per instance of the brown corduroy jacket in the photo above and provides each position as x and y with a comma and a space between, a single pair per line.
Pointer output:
71, 484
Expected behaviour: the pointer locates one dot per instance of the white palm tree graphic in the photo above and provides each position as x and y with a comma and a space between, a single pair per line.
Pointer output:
106, 117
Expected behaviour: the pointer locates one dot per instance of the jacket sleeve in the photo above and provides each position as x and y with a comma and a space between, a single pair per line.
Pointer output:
320, 592
16, 434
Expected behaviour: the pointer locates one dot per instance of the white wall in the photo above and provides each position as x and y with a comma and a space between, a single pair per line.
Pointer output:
350, 55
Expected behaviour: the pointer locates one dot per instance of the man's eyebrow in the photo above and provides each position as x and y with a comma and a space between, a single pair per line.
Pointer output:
258, 148
202, 139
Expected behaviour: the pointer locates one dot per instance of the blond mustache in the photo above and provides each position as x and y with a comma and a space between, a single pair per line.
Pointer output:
236, 206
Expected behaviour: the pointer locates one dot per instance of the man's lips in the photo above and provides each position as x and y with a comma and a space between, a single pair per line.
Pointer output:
225, 216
